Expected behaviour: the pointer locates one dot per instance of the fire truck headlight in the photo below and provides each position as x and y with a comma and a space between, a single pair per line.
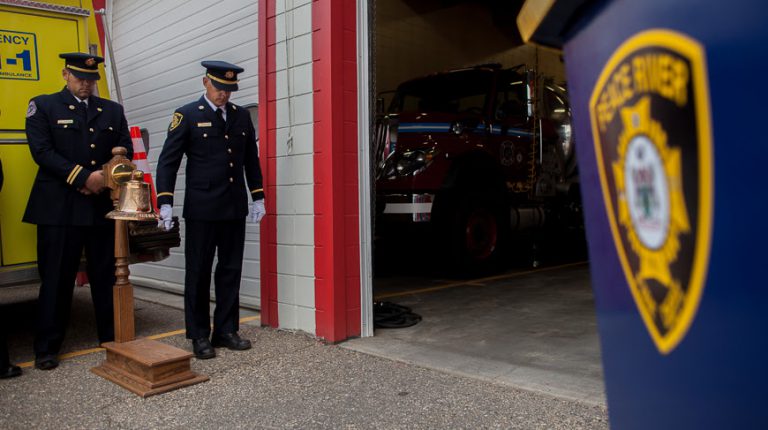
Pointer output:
413, 162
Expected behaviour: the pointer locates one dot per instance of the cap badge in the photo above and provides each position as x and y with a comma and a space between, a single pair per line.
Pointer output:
90, 62
229, 75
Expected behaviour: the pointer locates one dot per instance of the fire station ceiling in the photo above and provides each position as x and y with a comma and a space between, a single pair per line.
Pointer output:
418, 37
503, 12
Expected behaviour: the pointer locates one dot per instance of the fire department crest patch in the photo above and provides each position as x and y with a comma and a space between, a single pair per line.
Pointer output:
31, 109
175, 121
229, 75
651, 125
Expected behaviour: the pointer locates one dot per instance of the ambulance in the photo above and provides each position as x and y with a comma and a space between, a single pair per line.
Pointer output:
32, 34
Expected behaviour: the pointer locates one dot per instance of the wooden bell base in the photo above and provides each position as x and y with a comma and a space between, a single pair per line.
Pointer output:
147, 367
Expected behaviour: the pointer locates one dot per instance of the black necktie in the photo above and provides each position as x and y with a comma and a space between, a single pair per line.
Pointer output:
220, 115
84, 110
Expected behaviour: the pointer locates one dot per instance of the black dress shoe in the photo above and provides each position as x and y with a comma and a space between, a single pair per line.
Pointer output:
46, 362
9, 371
231, 341
203, 349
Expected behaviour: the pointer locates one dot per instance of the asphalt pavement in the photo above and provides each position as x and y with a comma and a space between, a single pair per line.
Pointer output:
288, 380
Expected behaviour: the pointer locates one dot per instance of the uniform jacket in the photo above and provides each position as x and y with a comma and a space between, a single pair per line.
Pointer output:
217, 155
68, 143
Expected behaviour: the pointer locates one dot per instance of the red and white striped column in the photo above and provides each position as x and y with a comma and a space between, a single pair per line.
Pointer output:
310, 245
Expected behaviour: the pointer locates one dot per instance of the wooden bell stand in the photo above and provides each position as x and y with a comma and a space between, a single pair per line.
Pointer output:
143, 366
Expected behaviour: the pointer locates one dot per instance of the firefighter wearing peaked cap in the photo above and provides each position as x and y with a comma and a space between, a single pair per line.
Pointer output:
219, 140
71, 135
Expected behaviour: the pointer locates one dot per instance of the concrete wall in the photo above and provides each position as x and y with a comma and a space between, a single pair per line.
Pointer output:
294, 175
309, 131
158, 48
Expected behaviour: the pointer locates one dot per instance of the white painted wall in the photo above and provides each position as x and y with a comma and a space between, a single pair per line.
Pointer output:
158, 48
294, 165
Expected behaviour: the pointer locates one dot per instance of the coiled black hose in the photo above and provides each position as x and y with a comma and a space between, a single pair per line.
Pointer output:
391, 315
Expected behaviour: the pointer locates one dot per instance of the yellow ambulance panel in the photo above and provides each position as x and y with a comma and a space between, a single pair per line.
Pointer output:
30, 43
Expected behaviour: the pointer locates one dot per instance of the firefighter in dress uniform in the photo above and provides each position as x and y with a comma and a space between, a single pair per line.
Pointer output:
219, 141
71, 135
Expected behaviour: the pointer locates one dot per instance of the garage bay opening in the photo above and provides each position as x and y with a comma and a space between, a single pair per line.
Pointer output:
478, 240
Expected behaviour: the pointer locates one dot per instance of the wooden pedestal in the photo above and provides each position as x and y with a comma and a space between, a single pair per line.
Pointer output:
147, 367
143, 366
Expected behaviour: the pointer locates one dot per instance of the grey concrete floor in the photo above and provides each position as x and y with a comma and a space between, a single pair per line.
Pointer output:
532, 329
286, 381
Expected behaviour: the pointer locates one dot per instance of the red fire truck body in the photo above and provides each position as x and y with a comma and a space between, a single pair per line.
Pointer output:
475, 155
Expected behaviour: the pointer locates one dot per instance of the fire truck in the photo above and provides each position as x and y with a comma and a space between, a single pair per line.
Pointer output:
467, 158
32, 34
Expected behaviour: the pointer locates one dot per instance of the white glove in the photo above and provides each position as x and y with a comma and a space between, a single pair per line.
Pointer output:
166, 217
257, 211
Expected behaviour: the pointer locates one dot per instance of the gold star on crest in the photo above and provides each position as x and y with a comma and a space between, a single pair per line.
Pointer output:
654, 262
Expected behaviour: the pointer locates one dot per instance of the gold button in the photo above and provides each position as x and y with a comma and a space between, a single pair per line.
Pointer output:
98, 109
231, 164
226, 136
93, 145
65, 126
205, 134
229, 150
231, 180
93, 162
110, 128
201, 107
91, 130
71, 107
243, 133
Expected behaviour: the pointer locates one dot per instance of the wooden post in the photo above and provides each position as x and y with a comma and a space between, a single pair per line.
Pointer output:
123, 290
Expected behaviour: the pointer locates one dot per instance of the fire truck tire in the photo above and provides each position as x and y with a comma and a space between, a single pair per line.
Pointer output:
474, 234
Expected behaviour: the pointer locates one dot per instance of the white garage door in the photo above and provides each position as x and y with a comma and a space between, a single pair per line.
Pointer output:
158, 48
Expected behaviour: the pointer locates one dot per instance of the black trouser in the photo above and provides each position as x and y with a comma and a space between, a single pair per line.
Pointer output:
202, 240
59, 249
4, 360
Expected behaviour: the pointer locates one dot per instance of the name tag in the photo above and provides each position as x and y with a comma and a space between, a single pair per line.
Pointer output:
65, 121
204, 124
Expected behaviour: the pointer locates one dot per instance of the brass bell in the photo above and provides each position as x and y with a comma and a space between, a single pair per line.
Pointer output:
134, 203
